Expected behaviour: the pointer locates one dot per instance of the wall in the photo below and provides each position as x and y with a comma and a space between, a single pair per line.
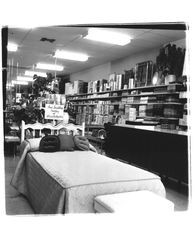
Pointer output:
99, 72
127, 63
180, 43
118, 66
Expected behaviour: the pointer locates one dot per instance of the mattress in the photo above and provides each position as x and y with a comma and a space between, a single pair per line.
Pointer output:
68, 182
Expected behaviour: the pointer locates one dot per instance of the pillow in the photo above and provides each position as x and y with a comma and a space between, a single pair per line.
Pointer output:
49, 143
81, 142
28, 134
63, 131
66, 142
34, 143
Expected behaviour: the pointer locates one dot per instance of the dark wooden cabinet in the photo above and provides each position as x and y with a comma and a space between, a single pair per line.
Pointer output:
158, 151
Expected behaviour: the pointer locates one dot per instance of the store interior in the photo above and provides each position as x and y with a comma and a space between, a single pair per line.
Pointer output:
131, 94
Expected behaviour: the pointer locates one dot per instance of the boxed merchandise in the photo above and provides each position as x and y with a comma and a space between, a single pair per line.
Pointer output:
174, 87
129, 74
82, 87
172, 111
131, 83
183, 121
69, 88
132, 114
142, 110
169, 123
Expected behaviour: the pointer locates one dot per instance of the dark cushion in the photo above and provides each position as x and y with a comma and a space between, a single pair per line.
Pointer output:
66, 142
49, 143
81, 142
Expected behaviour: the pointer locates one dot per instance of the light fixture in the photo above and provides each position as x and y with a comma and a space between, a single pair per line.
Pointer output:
19, 82
24, 78
49, 66
70, 55
32, 73
106, 36
12, 47
9, 85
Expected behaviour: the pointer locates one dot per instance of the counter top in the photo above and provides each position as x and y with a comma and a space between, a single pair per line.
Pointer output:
153, 128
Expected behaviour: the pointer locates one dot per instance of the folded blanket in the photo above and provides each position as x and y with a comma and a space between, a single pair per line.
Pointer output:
18, 179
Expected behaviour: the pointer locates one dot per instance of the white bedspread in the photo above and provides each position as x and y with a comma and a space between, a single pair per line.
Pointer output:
67, 182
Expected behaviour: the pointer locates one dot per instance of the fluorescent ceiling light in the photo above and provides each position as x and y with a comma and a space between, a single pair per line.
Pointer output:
32, 73
9, 84
70, 55
20, 82
49, 66
108, 37
12, 47
24, 78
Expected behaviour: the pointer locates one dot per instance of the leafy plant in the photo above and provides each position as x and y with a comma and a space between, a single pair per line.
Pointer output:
170, 60
28, 114
41, 84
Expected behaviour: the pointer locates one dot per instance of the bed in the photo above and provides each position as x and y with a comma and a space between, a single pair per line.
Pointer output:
67, 182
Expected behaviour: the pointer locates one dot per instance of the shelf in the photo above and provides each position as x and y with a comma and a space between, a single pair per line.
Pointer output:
10, 138
124, 90
147, 123
153, 97
183, 125
86, 104
133, 103
152, 94
155, 103
114, 103
94, 139
96, 98
157, 117
94, 126
124, 96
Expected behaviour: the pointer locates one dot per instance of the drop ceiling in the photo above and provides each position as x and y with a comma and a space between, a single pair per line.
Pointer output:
31, 50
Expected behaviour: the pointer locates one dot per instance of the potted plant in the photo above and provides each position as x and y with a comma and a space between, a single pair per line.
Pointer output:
29, 112
169, 62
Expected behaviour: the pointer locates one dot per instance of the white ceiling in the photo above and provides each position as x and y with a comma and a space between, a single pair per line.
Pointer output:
31, 50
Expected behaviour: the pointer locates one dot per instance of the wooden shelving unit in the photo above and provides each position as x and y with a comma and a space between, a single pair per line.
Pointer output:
160, 103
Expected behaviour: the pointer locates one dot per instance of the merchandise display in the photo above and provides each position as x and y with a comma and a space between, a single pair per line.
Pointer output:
162, 104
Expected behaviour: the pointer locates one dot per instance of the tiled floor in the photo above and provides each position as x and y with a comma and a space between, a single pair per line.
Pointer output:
16, 204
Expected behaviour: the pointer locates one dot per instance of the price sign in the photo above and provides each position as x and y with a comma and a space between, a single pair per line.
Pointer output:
54, 112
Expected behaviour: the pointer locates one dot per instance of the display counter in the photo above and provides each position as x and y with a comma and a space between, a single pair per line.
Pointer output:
153, 128
157, 150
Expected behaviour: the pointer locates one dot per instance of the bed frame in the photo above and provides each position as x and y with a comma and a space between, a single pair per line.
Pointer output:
54, 128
